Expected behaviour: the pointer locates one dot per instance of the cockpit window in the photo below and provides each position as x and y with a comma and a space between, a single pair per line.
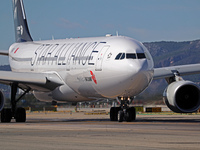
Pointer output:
118, 56
130, 56
121, 56
141, 55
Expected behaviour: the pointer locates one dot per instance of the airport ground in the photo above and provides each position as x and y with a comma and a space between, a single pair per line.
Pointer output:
93, 131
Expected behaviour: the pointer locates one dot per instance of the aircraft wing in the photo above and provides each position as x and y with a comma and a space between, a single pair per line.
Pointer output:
34, 81
4, 52
182, 70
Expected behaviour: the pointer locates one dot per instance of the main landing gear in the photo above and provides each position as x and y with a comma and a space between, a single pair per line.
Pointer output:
124, 112
19, 114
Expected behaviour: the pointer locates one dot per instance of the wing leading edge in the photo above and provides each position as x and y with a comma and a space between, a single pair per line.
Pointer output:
34, 81
182, 70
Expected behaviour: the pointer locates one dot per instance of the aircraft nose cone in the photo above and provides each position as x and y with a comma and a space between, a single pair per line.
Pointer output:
137, 67
140, 72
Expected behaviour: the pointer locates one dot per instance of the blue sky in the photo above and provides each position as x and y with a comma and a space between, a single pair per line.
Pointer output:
144, 20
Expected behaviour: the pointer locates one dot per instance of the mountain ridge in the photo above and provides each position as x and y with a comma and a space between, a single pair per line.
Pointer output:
174, 53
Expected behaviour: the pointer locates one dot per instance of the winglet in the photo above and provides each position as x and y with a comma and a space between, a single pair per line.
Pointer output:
22, 33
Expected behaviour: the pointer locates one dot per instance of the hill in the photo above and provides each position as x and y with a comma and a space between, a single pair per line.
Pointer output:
174, 53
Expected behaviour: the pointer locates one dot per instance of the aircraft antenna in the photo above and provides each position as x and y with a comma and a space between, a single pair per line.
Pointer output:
117, 33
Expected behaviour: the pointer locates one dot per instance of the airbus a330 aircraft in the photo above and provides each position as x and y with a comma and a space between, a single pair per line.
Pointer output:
87, 69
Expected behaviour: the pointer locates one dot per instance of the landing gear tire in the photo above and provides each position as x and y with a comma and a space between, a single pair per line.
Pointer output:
6, 115
132, 109
20, 115
117, 114
130, 114
120, 116
114, 113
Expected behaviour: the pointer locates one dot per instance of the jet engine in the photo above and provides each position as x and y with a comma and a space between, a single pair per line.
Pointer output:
182, 97
2, 101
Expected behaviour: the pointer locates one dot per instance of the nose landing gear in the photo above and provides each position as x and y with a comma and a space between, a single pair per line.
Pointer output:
124, 112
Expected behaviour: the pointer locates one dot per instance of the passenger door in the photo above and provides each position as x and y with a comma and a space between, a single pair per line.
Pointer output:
101, 55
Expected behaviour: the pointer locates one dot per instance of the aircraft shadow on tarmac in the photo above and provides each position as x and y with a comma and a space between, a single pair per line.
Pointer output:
172, 119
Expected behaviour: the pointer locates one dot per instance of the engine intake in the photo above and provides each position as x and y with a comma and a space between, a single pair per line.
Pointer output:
182, 97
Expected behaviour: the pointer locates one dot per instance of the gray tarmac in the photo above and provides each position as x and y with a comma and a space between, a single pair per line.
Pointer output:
77, 131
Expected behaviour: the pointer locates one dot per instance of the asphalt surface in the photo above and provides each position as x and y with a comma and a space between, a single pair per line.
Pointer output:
77, 131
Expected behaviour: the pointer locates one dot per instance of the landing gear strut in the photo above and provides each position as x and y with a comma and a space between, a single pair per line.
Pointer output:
19, 114
124, 112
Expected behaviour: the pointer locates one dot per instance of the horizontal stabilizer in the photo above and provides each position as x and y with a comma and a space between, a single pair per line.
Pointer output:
4, 52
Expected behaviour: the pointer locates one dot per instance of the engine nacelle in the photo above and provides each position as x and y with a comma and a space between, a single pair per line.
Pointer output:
182, 97
2, 101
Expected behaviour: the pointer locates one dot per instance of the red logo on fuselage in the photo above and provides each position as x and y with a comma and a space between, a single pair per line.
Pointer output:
16, 50
93, 77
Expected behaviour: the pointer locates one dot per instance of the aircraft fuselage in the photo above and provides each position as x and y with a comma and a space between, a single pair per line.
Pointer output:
90, 67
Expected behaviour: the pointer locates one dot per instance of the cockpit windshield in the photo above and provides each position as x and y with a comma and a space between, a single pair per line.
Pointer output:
141, 55
130, 56
121, 56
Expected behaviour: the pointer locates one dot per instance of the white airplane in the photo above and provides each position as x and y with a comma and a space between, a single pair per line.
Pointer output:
87, 69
